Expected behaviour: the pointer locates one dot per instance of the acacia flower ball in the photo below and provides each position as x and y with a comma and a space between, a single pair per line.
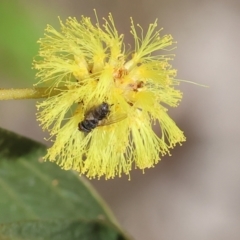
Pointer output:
89, 65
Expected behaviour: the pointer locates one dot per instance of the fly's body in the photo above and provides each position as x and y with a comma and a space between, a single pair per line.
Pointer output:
94, 117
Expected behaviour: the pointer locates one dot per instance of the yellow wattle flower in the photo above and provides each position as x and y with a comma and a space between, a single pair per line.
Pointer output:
89, 65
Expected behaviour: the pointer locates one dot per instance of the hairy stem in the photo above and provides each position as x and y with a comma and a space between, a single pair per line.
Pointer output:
28, 93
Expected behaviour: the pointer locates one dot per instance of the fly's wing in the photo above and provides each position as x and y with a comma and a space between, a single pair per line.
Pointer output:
112, 119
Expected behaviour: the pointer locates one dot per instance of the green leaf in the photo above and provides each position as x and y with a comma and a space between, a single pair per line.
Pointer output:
60, 230
31, 189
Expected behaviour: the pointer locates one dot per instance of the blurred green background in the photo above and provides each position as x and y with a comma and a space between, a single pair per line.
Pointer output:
195, 193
